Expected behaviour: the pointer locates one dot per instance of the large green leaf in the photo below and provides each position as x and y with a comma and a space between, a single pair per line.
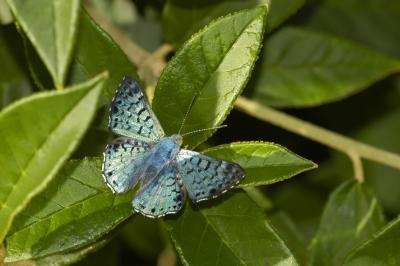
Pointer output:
264, 163
96, 52
232, 232
381, 250
303, 68
214, 65
14, 81
351, 216
38, 134
368, 21
183, 18
74, 211
50, 25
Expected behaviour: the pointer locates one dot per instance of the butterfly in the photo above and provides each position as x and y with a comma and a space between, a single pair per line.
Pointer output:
166, 171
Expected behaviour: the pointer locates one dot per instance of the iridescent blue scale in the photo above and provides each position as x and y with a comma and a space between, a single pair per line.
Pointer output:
166, 172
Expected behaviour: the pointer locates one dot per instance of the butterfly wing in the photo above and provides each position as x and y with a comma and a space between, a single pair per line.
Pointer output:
131, 115
205, 177
163, 195
122, 162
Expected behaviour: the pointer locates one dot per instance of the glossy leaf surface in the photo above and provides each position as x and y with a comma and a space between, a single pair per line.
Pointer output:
44, 127
231, 231
74, 211
264, 163
214, 67
53, 43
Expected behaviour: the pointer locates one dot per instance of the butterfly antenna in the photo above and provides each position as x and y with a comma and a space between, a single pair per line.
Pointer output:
187, 113
204, 129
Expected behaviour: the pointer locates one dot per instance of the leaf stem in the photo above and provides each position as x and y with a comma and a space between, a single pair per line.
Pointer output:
357, 166
326, 137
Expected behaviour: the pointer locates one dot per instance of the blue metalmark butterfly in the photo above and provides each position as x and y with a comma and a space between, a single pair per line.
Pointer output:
166, 172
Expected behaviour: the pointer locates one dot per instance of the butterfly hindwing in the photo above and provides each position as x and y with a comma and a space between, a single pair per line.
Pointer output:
122, 161
163, 195
205, 177
131, 115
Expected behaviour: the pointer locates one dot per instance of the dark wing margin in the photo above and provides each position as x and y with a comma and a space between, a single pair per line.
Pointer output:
205, 177
131, 115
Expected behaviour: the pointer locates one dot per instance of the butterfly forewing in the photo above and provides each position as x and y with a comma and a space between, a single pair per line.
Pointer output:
131, 115
122, 160
205, 177
162, 195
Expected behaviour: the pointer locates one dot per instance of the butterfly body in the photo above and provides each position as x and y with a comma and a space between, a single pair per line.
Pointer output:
166, 171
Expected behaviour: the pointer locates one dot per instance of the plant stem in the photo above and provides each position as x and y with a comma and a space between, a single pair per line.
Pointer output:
357, 166
318, 134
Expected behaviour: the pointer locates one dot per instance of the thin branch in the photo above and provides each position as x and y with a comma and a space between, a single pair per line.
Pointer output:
316, 133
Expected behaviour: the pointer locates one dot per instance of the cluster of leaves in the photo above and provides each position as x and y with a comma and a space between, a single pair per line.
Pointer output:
54, 206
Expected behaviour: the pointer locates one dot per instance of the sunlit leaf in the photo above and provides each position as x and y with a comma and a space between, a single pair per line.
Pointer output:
264, 162
50, 25
214, 66
38, 134
74, 211
233, 231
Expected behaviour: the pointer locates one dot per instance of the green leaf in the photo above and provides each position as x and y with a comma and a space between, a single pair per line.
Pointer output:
288, 231
181, 18
74, 211
233, 232
14, 80
264, 163
38, 134
302, 68
72, 257
281, 10
351, 216
50, 25
5, 13
89, 59
380, 250
214, 65
367, 21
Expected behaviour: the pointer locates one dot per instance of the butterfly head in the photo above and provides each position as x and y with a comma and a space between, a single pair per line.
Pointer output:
177, 139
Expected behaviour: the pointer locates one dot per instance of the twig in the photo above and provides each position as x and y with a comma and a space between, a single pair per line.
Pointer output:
318, 134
